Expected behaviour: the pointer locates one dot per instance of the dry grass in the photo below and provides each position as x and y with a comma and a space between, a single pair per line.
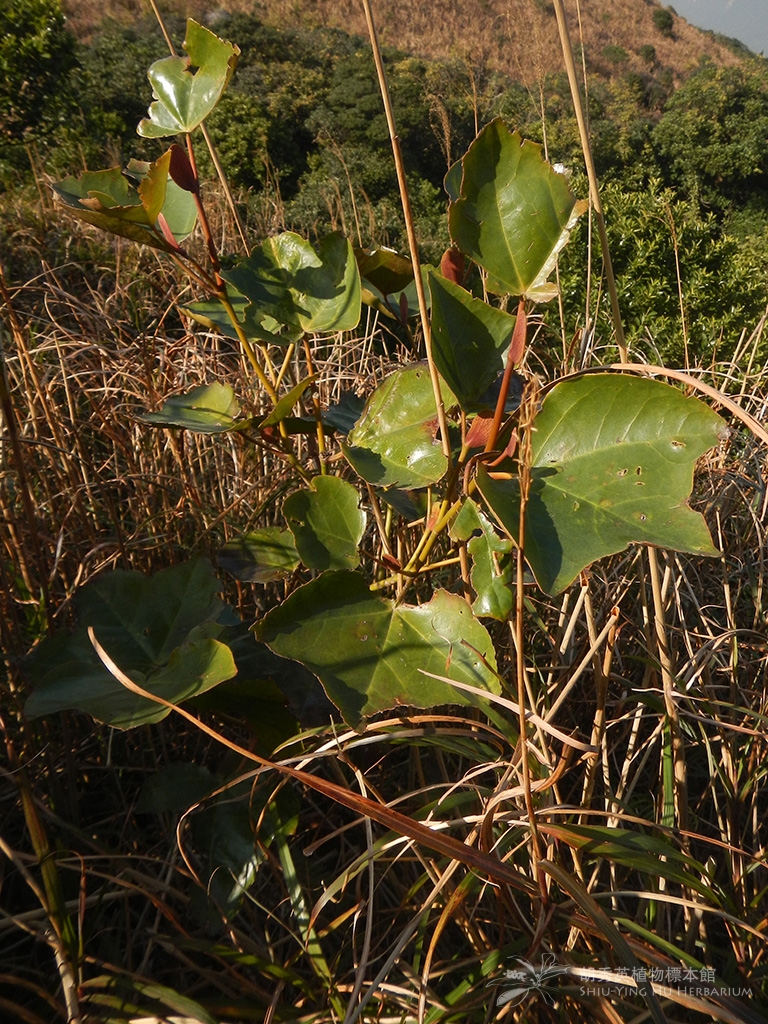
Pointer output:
102, 903
517, 37
346, 920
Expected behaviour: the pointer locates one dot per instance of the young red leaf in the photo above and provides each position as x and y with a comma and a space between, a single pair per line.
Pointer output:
453, 266
181, 170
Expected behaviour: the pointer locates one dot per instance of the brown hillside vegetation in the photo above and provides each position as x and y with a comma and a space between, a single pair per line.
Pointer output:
518, 37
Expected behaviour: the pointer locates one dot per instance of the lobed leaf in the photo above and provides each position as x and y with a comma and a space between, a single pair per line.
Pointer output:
130, 203
315, 291
161, 631
345, 413
612, 464
491, 572
178, 207
256, 325
367, 651
260, 556
385, 269
206, 409
186, 89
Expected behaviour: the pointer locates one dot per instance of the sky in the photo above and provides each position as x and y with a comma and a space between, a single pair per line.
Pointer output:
745, 20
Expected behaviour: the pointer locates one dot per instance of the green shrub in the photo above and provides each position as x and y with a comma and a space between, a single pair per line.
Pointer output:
648, 53
664, 20
36, 55
723, 281
615, 54
713, 137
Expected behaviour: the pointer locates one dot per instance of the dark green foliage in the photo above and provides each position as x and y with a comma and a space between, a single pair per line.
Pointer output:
664, 20
645, 228
280, 79
609, 457
303, 121
648, 53
36, 53
352, 115
302, 129
621, 120
713, 136
114, 91
615, 54
104, 97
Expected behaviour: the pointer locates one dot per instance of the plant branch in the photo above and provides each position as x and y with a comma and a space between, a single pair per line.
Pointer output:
517, 344
402, 182
526, 424
594, 190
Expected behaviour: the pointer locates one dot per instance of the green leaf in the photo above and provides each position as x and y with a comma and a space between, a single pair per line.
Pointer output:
160, 630
654, 856
394, 443
514, 212
388, 282
186, 89
178, 207
469, 339
315, 291
367, 651
256, 325
284, 407
467, 522
612, 464
224, 835
403, 300
385, 269
345, 413
412, 505
452, 180
260, 556
258, 703
206, 409
491, 572
130, 204
327, 523
300, 691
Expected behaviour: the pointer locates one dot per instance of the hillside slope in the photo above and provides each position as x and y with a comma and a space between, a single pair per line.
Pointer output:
518, 37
